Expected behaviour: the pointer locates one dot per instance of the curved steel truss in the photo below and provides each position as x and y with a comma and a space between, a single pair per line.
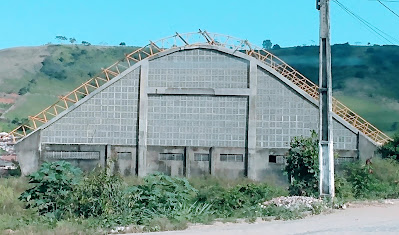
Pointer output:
179, 40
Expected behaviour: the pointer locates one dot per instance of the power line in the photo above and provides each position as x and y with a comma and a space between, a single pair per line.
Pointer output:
388, 8
370, 27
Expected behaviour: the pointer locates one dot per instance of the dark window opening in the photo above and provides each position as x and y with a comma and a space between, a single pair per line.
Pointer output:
171, 157
278, 159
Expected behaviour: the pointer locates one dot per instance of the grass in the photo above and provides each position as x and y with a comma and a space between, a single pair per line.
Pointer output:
378, 112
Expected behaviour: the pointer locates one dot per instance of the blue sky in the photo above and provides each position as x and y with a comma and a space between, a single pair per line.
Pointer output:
288, 23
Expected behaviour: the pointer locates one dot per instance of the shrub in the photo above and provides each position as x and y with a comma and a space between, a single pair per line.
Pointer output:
160, 196
302, 166
96, 194
53, 69
390, 149
53, 184
378, 179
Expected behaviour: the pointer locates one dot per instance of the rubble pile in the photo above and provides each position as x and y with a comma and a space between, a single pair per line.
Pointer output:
293, 202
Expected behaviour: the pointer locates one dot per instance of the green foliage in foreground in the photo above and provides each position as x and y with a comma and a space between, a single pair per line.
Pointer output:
379, 179
390, 149
302, 165
52, 185
99, 201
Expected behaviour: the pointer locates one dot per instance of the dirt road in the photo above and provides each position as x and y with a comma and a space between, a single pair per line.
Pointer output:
377, 218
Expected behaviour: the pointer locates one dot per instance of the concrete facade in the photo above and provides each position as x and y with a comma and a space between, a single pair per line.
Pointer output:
189, 111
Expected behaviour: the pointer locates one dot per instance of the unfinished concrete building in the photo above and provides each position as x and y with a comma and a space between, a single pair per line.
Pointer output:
189, 105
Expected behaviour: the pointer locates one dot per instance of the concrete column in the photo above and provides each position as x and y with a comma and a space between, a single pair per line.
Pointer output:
143, 113
251, 166
107, 160
326, 153
212, 161
187, 159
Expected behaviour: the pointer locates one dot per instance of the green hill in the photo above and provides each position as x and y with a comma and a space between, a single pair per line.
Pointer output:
365, 78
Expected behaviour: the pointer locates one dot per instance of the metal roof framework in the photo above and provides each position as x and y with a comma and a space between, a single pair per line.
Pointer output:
195, 38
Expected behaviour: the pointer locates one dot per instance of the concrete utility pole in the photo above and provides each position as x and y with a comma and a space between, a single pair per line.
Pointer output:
326, 155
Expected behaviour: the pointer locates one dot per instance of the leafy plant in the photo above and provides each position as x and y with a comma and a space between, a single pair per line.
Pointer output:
390, 149
53, 184
377, 179
302, 165
160, 195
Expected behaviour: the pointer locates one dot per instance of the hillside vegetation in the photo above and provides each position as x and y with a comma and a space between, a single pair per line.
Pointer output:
364, 77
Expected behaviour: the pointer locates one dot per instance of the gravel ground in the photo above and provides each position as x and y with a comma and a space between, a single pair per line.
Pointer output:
358, 218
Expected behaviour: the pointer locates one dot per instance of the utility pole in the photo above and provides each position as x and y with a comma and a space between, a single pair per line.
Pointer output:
326, 155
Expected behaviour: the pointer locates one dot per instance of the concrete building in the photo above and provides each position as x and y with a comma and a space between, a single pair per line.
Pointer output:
192, 110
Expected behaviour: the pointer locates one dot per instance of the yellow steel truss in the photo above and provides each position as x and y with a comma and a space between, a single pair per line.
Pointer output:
201, 37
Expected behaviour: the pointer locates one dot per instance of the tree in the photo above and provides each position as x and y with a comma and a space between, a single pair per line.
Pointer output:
390, 149
267, 44
276, 47
61, 38
302, 166
72, 40
86, 43
122, 44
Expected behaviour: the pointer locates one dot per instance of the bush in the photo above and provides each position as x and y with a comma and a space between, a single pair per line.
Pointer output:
96, 194
302, 166
160, 196
53, 184
390, 149
53, 69
378, 179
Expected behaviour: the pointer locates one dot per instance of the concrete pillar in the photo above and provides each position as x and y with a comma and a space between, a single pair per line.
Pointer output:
251, 166
143, 113
187, 154
326, 154
212, 161
28, 153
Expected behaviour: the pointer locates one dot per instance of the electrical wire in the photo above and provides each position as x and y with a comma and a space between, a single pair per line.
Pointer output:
369, 26
388, 8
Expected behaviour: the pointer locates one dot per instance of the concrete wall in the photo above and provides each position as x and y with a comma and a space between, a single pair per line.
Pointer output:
197, 121
168, 160
28, 153
108, 117
199, 68
282, 113
85, 156
123, 160
189, 112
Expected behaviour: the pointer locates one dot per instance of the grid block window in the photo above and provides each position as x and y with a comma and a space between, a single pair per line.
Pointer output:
201, 121
199, 68
201, 157
171, 157
110, 116
231, 157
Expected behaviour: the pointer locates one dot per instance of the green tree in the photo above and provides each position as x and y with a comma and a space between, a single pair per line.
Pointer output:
390, 149
61, 38
86, 43
122, 44
276, 47
72, 40
303, 165
267, 44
